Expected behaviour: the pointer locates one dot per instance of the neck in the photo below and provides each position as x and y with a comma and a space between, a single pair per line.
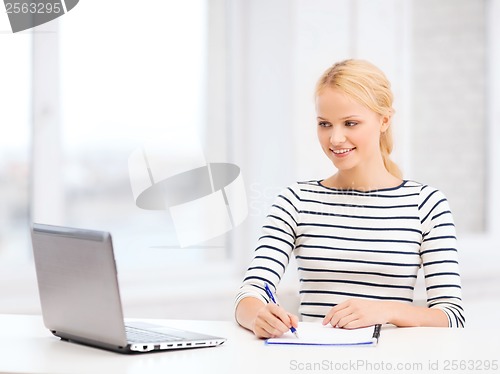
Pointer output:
365, 180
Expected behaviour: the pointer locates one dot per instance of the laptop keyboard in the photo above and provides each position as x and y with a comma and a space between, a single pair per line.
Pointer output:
136, 335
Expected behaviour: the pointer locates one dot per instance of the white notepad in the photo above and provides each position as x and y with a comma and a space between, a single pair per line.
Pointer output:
316, 334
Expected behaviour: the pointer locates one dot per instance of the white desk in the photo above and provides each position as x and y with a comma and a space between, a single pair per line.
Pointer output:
27, 347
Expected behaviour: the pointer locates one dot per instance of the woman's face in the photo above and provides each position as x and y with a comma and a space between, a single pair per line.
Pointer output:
349, 133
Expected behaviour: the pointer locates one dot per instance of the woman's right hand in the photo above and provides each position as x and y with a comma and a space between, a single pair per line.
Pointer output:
272, 321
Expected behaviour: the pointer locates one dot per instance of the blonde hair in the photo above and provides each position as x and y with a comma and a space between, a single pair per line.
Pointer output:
368, 85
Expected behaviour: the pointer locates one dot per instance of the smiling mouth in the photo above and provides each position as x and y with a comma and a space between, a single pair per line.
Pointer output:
342, 151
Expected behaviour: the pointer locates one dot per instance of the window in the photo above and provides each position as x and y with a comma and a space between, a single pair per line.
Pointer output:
15, 118
127, 81
15, 72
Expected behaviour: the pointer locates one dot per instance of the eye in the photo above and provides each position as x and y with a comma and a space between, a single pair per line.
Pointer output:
350, 123
324, 124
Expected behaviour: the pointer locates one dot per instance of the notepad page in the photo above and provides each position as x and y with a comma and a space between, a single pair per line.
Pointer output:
316, 334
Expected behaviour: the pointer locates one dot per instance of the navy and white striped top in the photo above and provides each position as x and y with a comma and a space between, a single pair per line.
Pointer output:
351, 243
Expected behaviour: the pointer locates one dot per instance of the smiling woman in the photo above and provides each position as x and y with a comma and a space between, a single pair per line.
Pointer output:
350, 136
360, 235
358, 99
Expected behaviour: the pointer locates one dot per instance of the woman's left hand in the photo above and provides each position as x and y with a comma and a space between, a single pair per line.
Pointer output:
355, 313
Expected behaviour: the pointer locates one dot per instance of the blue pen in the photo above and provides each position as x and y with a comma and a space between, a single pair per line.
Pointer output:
273, 299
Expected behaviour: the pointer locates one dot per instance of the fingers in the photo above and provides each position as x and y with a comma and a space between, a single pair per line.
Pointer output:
294, 320
353, 324
343, 315
350, 320
273, 321
336, 313
355, 313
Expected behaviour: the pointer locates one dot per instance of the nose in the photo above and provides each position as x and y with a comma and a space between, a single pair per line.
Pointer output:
337, 135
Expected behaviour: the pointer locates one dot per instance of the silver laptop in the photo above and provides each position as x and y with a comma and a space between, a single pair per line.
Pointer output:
80, 297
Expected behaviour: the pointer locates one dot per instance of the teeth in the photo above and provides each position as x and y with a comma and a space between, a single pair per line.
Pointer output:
340, 151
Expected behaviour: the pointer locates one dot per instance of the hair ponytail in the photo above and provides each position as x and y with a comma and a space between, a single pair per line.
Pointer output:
386, 144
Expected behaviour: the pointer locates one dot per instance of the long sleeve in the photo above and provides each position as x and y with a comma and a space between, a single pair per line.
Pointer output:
439, 256
365, 244
274, 247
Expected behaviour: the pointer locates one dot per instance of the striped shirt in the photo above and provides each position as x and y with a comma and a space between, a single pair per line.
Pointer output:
355, 244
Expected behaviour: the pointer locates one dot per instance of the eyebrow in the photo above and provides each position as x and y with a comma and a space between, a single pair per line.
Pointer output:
342, 119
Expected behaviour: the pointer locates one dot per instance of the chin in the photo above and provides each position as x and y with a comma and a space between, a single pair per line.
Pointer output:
343, 166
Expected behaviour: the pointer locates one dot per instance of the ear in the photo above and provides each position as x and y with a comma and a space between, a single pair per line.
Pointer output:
385, 122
